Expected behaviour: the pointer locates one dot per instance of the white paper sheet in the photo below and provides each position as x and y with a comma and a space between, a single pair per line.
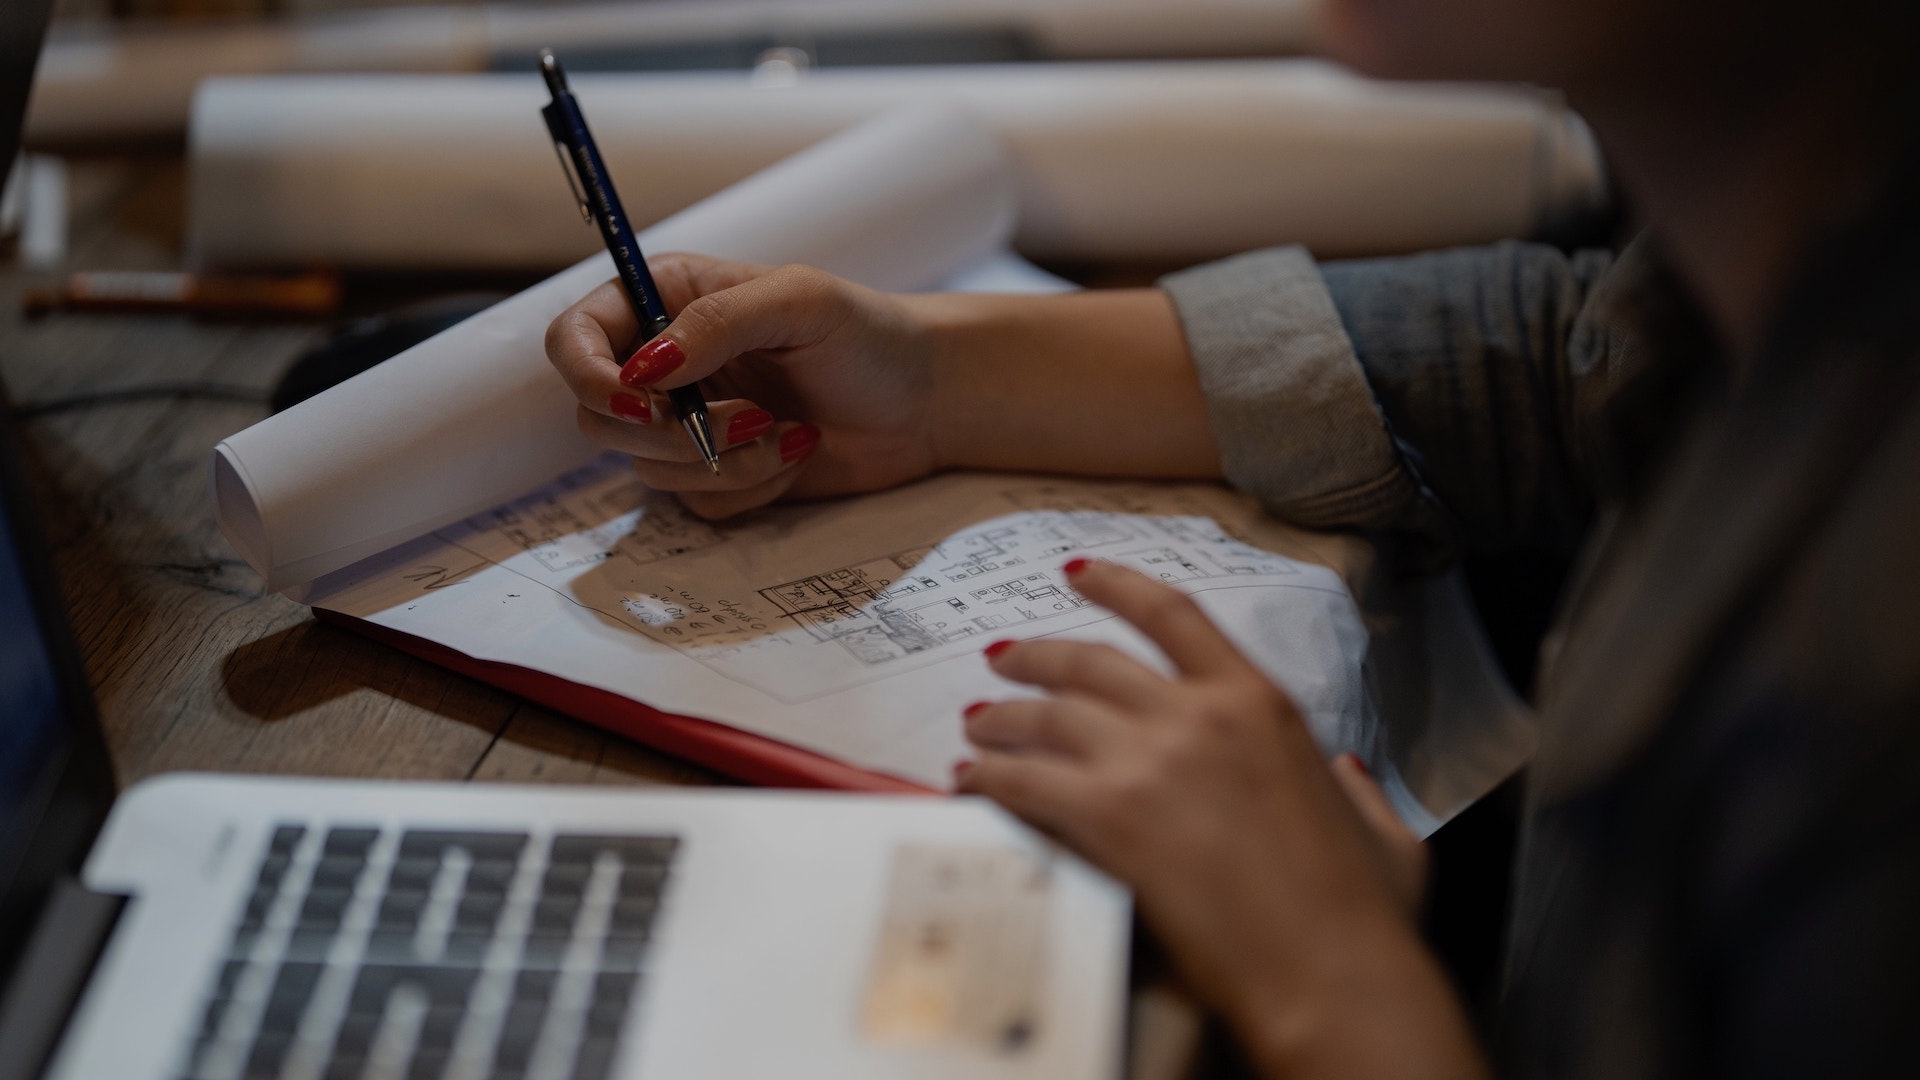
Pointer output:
854, 627
475, 415
1150, 161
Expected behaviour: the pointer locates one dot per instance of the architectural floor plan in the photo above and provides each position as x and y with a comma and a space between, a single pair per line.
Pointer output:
841, 620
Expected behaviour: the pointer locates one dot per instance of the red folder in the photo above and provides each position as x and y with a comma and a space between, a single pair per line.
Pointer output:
743, 755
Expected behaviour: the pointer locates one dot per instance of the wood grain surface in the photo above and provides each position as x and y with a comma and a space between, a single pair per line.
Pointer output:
193, 664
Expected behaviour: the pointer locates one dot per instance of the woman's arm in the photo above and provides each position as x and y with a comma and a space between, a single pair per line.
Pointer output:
1092, 383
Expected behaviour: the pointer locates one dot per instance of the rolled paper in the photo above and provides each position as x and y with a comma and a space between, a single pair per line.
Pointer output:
1153, 162
475, 415
105, 82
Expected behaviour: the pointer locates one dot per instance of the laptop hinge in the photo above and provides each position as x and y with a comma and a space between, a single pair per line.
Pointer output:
67, 940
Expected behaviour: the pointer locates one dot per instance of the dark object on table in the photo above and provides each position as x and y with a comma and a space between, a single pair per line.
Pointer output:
366, 342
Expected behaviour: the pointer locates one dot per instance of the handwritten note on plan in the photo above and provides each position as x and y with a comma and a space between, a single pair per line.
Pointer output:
854, 627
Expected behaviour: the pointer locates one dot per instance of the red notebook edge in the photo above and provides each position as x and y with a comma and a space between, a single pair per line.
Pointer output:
742, 755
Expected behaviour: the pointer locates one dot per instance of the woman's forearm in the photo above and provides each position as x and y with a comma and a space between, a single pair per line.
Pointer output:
1096, 383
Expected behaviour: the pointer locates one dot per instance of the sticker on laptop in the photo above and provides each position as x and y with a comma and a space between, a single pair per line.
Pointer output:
961, 948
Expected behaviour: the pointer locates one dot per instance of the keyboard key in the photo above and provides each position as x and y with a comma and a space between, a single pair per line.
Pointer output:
285, 839
631, 850
605, 1017
542, 952
490, 876
645, 880
533, 986
480, 845
622, 954
401, 911
387, 946
371, 987
413, 874
439, 1027
445, 986
555, 915
310, 944
611, 986
478, 914
594, 1059
255, 915
427, 1065
338, 871
266, 1056
466, 950
272, 869
323, 908
355, 842
292, 988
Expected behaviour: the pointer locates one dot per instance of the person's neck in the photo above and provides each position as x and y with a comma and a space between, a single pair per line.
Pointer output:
1737, 205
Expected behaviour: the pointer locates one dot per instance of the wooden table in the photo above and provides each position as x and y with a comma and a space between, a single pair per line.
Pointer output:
193, 664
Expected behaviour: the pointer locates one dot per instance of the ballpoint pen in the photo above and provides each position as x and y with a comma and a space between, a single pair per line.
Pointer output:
593, 189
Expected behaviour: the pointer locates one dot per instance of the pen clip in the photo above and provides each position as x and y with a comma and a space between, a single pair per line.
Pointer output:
566, 167
573, 183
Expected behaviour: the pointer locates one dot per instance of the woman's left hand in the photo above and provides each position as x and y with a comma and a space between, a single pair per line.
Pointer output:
1284, 890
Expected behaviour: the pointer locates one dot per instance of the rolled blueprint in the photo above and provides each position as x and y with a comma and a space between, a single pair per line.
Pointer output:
475, 416
109, 81
1140, 161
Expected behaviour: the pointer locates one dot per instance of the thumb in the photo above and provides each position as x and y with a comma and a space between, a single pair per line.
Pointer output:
788, 308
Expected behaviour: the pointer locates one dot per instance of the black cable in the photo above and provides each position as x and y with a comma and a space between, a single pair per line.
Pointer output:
210, 391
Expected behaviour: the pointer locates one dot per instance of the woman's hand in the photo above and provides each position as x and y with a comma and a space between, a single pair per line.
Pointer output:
1285, 899
773, 348
821, 387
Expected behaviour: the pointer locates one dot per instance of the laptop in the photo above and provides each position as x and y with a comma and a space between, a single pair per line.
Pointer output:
203, 927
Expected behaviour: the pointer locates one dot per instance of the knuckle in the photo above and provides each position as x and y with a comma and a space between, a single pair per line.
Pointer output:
562, 333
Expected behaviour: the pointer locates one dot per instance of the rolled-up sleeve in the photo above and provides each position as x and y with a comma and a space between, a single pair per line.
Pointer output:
1297, 424
1439, 396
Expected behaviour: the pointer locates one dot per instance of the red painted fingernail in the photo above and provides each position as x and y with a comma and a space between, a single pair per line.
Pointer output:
798, 443
974, 708
748, 426
994, 650
961, 769
1361, 765
652, 362
631, 407
1075, 565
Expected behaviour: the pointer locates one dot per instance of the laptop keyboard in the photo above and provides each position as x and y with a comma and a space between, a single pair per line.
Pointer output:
366, 954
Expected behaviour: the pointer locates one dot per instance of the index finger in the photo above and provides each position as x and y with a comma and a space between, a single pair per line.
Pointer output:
583, 341
1167, 616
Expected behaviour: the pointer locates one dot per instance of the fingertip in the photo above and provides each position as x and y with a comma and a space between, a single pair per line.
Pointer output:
975, 709
798, 443
633, 408
998, 648
747, 425
653, 362
1076, 565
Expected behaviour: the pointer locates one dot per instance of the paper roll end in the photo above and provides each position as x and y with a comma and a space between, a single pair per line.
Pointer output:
239, 512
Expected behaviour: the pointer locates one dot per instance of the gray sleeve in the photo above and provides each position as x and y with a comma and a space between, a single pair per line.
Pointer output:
1440, 396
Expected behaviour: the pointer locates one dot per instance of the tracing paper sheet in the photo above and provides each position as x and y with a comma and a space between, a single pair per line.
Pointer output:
476, 415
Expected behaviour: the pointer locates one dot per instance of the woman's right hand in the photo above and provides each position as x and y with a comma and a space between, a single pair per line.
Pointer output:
815, 386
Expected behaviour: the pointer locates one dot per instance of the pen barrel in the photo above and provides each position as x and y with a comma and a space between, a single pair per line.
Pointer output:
604, 202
